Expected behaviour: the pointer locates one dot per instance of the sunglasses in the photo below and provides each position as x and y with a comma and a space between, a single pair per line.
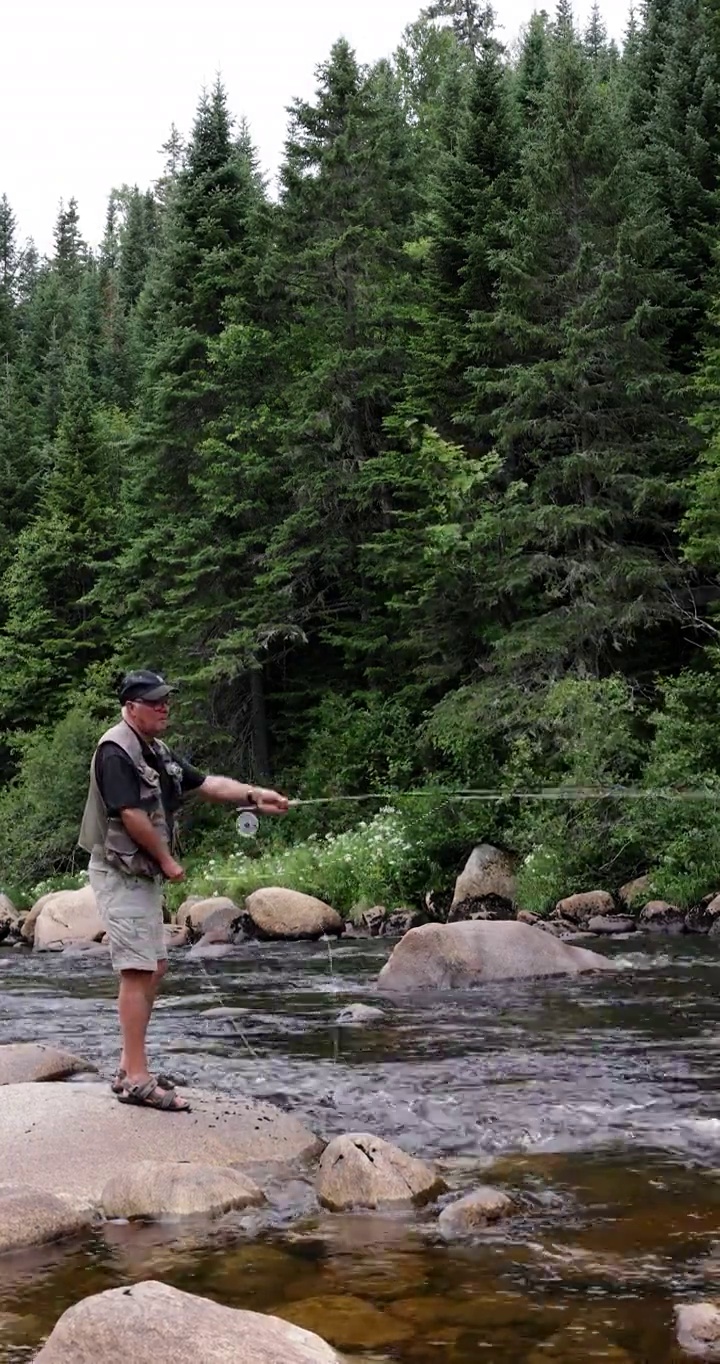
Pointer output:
153, 705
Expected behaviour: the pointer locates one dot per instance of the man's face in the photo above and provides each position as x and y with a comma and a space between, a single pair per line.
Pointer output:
149, 717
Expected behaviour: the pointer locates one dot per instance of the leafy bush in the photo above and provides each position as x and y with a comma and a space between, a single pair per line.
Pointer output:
394, 857
681, 837
41, 810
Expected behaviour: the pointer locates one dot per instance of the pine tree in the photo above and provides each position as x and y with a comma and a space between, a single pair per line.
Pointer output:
348, 207
533, 67
471, 200
50, 634
589, 425
162, 585
470, 21
9, 270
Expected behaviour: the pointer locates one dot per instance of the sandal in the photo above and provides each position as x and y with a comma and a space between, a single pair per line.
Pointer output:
146, 1096
117, 1084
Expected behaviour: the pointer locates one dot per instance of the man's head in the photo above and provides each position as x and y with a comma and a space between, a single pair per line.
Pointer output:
145, 699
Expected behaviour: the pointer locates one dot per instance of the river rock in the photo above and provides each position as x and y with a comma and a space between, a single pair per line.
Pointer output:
67, 916
206, 950
357, 1014
705, 917
160, 1189
30, 1217
698, 1328
217, 911
374, 920
609, 924
660, 917
477, 1209
634, 893
349, 1323
152, 1323
176, 935
526, 916
455, 956
30, 1062
71, 1139
400, 921
488, 872
9, 917
275, 912
580, 908
363, 1171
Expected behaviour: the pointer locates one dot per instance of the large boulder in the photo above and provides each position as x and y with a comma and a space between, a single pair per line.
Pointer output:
456, 956
660, 917
698, 1329
160, 1189
71, 1139
10, 918
28, 1062
477, 1209
363, 1171
201, 916
705, 917
578, 909
488, 874
275, 912
30, 1217
635, 892
151, 1323
67, 916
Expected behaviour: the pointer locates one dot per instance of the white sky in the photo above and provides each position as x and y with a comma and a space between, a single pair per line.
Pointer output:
89, 88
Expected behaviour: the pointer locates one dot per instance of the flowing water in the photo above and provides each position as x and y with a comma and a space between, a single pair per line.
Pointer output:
595, 1100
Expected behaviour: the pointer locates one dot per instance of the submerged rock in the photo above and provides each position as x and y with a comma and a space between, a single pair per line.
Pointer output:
151, 1323
30, 1217
455, 956
349, 1323
356, 1014
698, 1329
477, 1209
363, 1171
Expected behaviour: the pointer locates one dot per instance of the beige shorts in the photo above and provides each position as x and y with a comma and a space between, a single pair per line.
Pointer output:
131, 908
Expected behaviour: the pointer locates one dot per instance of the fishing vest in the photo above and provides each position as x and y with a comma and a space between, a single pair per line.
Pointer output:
105, 835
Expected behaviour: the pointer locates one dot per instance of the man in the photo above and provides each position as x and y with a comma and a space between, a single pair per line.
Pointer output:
137, 785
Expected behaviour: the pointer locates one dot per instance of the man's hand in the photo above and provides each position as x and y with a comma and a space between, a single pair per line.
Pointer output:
269, 802
171, 870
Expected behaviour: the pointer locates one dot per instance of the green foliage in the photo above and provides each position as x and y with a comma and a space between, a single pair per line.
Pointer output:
680, 838
392, 473
41, 809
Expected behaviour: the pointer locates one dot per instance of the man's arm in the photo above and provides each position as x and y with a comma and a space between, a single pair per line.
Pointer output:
239, 793
144, 833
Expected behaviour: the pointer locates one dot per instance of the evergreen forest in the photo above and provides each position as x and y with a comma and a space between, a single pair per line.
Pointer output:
406, 470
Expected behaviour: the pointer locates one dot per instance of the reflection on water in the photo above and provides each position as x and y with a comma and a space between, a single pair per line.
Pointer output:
596, 1100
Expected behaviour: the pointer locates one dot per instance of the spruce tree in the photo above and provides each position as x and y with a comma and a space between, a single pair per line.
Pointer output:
9, 271
589, 421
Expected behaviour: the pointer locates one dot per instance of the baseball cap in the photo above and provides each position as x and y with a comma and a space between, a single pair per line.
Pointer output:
144, 685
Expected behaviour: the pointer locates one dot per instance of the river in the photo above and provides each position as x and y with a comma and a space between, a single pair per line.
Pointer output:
596, 1100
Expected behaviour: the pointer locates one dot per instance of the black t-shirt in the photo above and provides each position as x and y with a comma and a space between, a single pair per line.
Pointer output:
119, 782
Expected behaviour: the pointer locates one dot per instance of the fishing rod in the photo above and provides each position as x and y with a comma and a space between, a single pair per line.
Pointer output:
248, 823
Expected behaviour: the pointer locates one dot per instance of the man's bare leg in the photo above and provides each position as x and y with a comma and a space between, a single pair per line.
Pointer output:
138, 992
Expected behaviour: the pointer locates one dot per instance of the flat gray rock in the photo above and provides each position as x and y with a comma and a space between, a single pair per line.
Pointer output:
71, 1139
